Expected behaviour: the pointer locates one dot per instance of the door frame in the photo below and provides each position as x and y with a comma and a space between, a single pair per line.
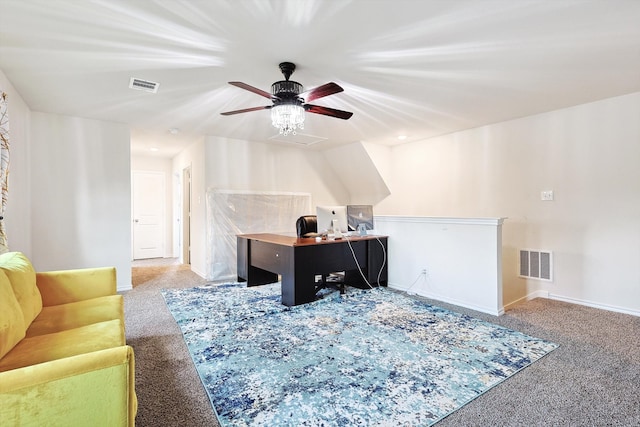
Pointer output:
185, 253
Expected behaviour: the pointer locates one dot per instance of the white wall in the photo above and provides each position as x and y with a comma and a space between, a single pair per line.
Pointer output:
18, 212
589, 155
161, 165
69, 190
80, 194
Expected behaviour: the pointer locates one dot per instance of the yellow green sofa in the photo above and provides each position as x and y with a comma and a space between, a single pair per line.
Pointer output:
63, 356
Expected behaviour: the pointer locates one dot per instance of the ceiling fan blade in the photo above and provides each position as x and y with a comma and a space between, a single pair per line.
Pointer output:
253, 89
246, 110
321, 91
326, 111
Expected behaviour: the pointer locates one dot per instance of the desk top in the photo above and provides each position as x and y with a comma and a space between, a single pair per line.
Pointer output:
292, 240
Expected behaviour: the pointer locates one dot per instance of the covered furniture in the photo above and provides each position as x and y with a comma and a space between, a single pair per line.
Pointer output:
63, 356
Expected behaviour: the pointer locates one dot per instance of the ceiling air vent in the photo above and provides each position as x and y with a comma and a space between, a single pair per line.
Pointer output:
144, 85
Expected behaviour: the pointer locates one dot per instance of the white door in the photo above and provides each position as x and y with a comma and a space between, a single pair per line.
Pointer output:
148, 214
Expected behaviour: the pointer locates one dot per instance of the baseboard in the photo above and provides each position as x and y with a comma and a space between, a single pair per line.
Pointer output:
452, 301
199, 273
594, 305
124, 288
529, 297
587, 303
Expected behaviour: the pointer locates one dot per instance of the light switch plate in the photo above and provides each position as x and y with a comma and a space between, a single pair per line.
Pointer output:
547, 195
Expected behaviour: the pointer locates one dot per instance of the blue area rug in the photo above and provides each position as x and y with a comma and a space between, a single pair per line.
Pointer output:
374, 357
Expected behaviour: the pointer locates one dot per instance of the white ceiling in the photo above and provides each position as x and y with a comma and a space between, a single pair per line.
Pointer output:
415, 67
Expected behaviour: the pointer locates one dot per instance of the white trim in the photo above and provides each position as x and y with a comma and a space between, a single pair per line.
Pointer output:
577, 301
529, 297
124, 288
595, 305
487, 310
200, 273
440, 220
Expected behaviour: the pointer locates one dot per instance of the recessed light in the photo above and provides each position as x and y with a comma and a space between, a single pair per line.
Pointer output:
153, 149
402, 137
174, 131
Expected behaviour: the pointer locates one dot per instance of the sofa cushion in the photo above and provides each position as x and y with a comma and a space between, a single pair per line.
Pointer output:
73, 315
65, 286
44, 348
12, 328
22, 276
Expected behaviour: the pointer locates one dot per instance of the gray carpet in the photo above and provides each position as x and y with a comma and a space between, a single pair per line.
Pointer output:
592, 379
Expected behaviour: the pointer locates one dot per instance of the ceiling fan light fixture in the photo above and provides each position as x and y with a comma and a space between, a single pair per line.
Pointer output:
289, 103
287, 118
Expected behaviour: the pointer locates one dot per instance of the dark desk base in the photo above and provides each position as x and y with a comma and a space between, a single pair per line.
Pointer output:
262, 257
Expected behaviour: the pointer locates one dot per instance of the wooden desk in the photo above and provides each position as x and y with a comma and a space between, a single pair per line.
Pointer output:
262, 257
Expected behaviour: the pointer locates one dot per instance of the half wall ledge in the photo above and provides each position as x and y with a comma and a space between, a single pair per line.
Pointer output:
454, 260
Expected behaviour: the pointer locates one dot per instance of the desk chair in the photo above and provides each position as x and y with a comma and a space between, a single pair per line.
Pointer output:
307, 226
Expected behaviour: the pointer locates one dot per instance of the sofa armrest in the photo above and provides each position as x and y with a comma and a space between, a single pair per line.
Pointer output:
96, 388
65, 286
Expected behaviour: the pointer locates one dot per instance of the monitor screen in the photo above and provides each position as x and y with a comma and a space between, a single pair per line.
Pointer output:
326, 214
360, 214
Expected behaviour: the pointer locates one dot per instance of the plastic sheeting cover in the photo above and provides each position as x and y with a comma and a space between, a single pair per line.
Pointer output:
230, 213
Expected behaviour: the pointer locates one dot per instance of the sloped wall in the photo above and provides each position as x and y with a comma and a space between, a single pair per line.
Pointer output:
358, 173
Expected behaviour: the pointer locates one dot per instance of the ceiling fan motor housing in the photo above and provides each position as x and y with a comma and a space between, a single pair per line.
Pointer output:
286, 92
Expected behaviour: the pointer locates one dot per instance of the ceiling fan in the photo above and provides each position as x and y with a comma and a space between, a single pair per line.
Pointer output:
289, 103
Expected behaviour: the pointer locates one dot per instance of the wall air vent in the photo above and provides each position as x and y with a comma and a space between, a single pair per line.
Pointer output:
144, 85
535, 264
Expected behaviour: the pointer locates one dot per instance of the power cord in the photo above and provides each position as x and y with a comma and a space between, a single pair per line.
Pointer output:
408, 290
384, 260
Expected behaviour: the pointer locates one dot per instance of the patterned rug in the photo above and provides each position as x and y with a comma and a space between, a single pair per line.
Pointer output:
365, 358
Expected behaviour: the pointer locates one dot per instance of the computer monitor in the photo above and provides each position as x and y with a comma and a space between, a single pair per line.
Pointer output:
360, 214
327, 214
